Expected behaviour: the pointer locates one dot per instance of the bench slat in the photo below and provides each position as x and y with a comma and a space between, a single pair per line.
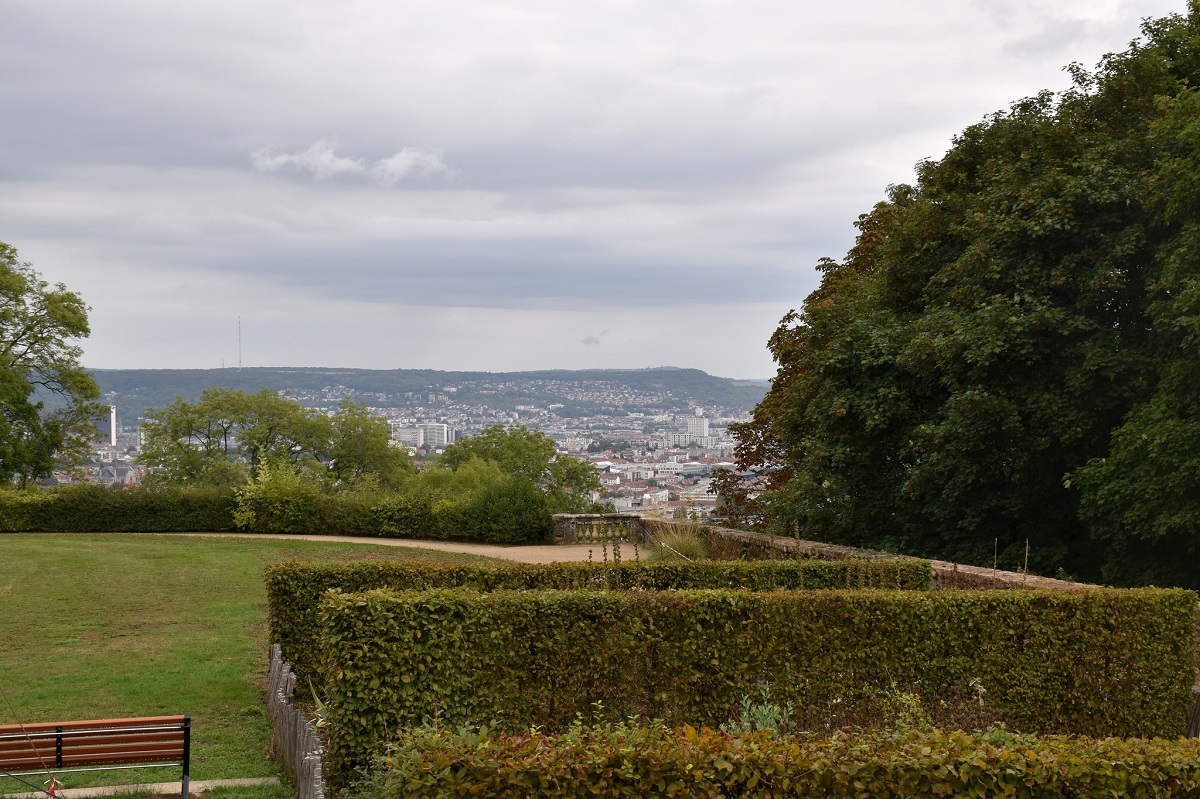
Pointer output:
171, 757
132, 734
145, 721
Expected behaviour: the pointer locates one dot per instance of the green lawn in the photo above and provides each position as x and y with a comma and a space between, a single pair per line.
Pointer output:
103, 626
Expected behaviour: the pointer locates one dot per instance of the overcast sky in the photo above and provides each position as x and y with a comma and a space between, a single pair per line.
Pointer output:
520, 184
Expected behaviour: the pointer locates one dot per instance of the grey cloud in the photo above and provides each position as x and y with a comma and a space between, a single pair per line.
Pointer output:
643, 156
522, 275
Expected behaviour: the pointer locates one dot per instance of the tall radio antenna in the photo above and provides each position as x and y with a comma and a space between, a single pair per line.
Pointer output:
239, 343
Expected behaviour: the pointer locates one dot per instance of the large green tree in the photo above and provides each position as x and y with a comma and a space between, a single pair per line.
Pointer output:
993, 360
48, 401
530, 455
360, 449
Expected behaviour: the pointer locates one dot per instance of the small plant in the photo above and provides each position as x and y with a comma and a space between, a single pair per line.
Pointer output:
976, 685
320, 713
765, 714
904, 710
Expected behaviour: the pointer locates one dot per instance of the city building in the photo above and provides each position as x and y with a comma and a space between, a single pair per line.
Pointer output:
435, 435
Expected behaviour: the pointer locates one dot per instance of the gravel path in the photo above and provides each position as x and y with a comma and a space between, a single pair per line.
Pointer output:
547, 553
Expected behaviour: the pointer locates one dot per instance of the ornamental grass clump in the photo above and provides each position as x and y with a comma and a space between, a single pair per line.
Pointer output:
676, 541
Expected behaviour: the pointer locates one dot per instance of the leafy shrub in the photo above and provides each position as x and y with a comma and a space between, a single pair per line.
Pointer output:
509, 511
630, 761
1096, 662
407, 515
18, 509
294, 590
280, 500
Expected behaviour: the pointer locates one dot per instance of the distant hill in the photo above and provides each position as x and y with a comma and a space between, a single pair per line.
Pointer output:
664, 388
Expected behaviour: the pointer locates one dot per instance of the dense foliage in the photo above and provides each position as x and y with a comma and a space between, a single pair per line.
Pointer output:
298, 470
228, 436
294, 590
636, 762
530, 456
1092, 662
39, 364
1010, 350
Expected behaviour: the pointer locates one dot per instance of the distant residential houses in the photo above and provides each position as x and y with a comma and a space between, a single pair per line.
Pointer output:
675, 486
659, 461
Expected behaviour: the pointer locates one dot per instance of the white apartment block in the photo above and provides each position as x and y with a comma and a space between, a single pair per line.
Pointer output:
427, 435
435, 435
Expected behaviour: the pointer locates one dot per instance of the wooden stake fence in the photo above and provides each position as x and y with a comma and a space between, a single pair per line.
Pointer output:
294, 742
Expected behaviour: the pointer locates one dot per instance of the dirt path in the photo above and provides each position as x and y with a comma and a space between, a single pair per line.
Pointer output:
547, 553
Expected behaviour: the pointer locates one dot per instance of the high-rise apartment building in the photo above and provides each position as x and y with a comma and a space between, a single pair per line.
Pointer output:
435, 435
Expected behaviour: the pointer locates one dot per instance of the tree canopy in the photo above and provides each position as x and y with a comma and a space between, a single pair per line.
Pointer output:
531, 456
1009, 352
228, 436
39, 363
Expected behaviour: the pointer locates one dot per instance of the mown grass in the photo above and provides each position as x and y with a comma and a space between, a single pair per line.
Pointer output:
112, 625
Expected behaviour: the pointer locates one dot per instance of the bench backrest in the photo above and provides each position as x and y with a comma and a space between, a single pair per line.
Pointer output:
159, 740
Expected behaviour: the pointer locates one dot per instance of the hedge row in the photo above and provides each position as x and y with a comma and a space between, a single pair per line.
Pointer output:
1097, 662
686, 764
94, 508
294, 589
506, 513
509, 512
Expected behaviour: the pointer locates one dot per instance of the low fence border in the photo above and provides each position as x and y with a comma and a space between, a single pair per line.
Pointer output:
294, 740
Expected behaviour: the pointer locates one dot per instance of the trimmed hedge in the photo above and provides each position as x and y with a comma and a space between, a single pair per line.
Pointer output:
294, 590
1096, 662
98, 509
684, 763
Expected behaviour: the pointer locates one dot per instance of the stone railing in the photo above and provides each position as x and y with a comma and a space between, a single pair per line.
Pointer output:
598, 528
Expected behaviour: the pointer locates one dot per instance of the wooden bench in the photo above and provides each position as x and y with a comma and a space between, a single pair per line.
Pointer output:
99, 745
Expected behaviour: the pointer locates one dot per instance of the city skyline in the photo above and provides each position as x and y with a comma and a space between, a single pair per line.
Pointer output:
474, 187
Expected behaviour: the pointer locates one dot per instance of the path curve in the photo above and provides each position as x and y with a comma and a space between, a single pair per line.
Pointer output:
537, 553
